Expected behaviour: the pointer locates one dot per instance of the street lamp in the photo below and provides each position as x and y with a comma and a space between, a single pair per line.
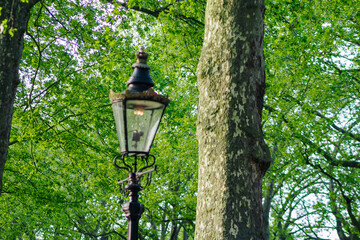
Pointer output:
137, 112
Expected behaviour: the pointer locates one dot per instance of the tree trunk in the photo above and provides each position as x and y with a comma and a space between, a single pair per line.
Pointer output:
174, 231
185, 235
267, 205
233, 157
17, 15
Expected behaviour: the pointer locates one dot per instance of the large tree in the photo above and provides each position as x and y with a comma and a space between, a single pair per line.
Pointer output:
233, 157
14, 15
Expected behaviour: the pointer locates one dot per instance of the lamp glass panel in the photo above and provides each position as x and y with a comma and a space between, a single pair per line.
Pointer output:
118, 110
143, 118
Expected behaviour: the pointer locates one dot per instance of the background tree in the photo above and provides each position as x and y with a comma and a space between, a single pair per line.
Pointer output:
312, 119
14, 16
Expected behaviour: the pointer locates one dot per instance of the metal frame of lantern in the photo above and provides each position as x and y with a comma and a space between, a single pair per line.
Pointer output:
149, 101
140, 91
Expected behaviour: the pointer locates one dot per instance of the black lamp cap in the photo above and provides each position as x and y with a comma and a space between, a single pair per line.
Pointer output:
140, 80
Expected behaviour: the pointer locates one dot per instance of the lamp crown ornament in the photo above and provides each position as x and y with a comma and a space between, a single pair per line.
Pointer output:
141, 59
140, 80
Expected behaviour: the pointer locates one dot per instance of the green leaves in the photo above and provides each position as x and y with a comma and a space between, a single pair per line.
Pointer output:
3, 26
312, 108
59, 179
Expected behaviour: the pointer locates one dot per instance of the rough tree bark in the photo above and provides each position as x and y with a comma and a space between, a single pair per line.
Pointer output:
17, 14
233, 156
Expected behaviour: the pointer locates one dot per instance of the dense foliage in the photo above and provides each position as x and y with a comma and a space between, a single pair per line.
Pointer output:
312, 119
59, 181
59, 178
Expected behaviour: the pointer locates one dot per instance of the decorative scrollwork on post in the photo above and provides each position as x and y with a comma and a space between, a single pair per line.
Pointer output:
134, 208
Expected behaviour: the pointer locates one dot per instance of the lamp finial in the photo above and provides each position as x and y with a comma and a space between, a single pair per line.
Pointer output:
141, 59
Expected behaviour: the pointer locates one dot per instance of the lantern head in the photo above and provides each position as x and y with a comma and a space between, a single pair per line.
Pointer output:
138, 110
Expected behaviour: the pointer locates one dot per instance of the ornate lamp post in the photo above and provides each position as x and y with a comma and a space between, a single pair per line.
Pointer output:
137, 112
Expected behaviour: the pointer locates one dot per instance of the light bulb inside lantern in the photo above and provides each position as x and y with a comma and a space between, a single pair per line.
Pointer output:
139, 111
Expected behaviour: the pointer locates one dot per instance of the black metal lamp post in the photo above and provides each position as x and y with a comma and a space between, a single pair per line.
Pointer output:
137, 112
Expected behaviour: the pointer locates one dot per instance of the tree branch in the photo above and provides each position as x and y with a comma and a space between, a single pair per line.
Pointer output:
156, 13
317, 113
327, 156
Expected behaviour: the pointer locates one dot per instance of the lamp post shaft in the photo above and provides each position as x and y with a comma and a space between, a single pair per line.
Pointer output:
133, 209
